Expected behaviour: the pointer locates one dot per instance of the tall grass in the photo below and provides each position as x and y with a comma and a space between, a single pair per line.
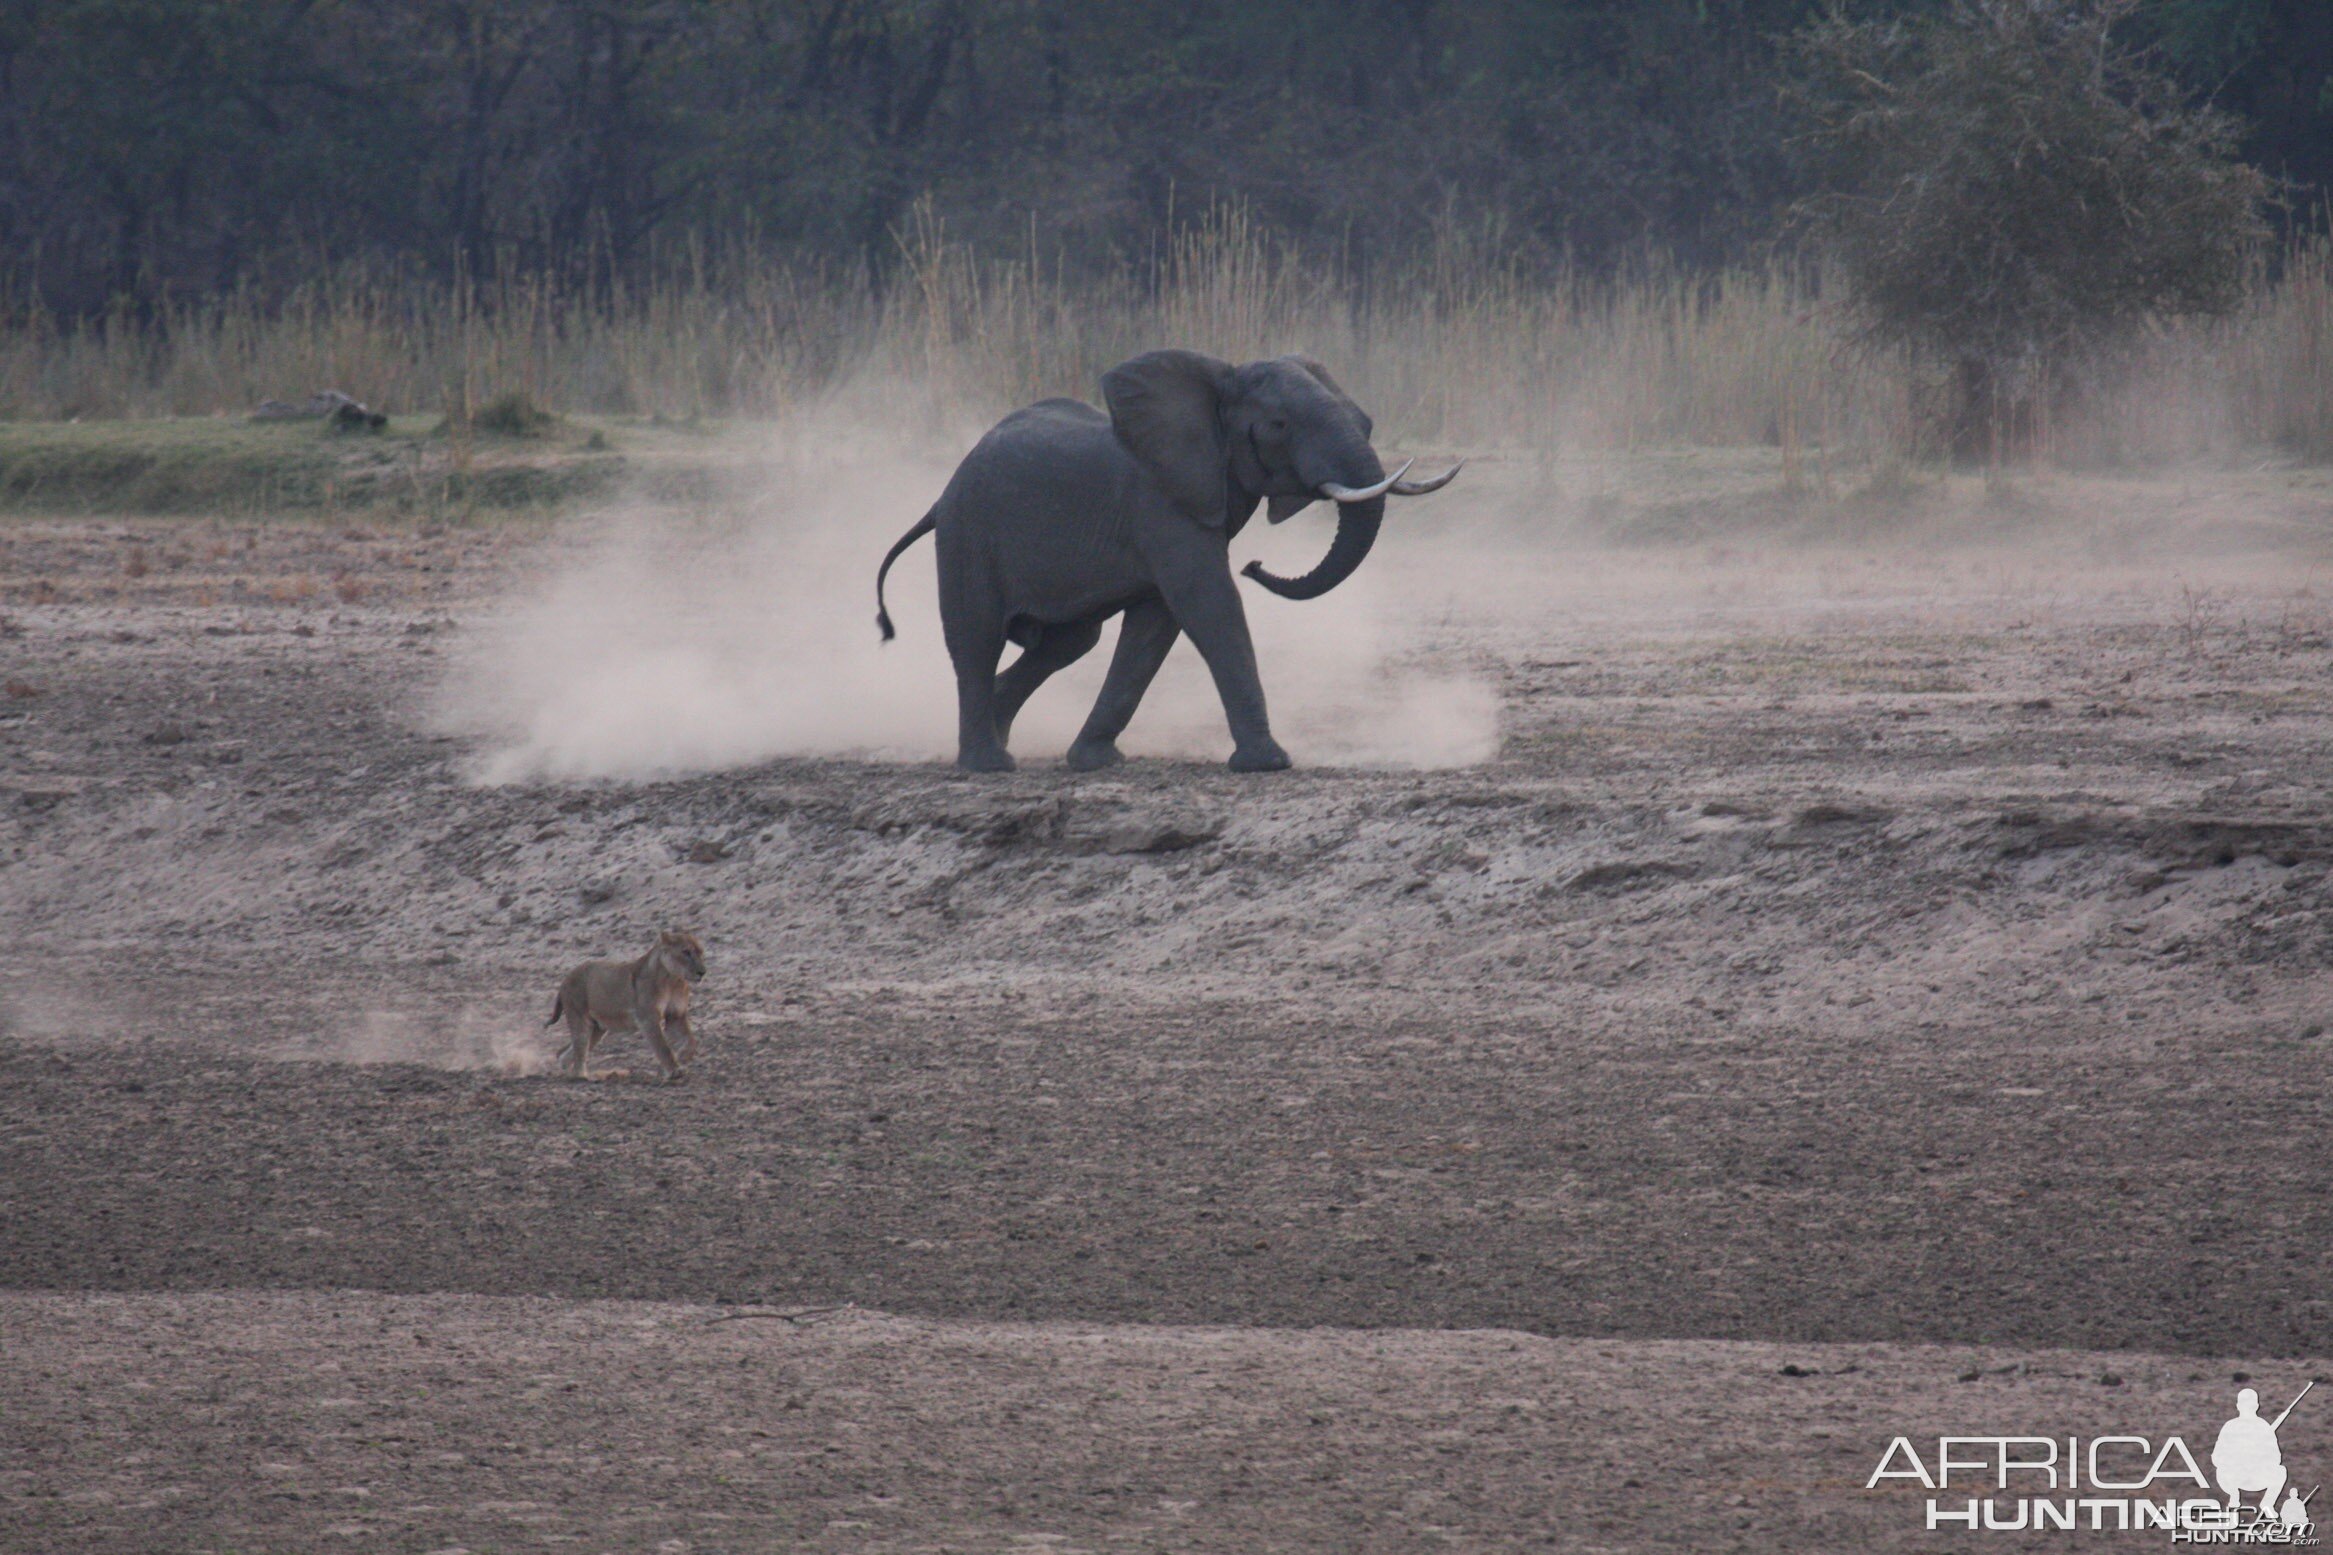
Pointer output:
1460, 349
2281, 358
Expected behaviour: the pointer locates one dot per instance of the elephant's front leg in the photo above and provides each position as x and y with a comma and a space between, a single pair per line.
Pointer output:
1198, 588
1145, 637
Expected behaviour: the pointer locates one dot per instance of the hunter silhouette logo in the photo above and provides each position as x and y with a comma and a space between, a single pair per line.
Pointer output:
2246, 1457
2117, 1483
2295, 1515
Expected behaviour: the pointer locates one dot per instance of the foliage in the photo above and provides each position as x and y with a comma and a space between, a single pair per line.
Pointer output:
153, 150
2013, 190
510, 414
1519, 222
1460, 349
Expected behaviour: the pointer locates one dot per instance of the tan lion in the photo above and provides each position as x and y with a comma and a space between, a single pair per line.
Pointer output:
650, 994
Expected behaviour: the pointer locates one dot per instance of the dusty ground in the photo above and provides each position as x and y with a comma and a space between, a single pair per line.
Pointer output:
1888, 954
503, 1423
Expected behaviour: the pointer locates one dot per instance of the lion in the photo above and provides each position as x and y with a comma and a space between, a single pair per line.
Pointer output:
650, 994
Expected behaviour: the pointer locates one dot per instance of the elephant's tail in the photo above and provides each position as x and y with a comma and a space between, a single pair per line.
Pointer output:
922, 527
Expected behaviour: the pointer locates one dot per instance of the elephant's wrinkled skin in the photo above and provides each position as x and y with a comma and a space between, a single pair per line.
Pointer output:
1063, 517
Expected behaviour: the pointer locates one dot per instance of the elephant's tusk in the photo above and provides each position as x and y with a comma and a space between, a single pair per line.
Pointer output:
1402, 488
1363, 493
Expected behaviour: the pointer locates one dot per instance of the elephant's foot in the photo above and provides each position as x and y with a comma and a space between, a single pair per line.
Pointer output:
1265, 755
985, 761
1093, 755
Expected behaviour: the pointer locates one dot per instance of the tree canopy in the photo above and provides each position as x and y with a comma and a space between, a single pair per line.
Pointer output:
2011, 188
151, 148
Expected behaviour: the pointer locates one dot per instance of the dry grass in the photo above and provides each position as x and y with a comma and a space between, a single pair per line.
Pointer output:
1462, 349
2281, 359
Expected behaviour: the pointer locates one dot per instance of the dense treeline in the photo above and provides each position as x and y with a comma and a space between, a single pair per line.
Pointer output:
166, 148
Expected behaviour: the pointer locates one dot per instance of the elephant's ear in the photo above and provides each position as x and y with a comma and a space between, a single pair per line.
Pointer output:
1166, 407
1320, 372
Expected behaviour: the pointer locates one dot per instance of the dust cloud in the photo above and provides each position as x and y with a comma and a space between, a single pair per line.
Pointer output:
461, 1037
53, 1014
694, 639
447, 1033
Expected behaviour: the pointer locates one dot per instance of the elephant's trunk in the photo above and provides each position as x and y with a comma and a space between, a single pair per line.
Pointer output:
1356, 532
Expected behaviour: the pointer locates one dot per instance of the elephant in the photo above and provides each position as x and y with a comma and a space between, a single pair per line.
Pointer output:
1064, 516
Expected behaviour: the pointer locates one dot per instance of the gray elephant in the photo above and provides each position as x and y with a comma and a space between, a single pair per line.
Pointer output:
1062, 517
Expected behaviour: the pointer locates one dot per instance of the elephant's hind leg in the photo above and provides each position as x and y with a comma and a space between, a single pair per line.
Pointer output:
1059, 647
1148, 633
978, 749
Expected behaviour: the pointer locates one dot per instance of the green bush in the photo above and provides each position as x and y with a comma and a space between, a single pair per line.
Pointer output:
512, 415
2013, 193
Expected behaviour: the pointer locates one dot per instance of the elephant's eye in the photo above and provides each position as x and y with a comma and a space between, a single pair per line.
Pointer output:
1276, 428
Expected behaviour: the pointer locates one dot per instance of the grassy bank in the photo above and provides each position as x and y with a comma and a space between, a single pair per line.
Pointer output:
220, 466
1462, 350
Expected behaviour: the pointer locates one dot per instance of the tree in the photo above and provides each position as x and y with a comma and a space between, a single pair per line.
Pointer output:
2013, 191
165, 149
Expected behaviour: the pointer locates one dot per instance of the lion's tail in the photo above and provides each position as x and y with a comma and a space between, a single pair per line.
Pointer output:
558, 1008
923, 527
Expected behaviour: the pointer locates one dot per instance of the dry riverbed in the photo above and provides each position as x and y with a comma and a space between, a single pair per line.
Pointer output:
1883, 959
